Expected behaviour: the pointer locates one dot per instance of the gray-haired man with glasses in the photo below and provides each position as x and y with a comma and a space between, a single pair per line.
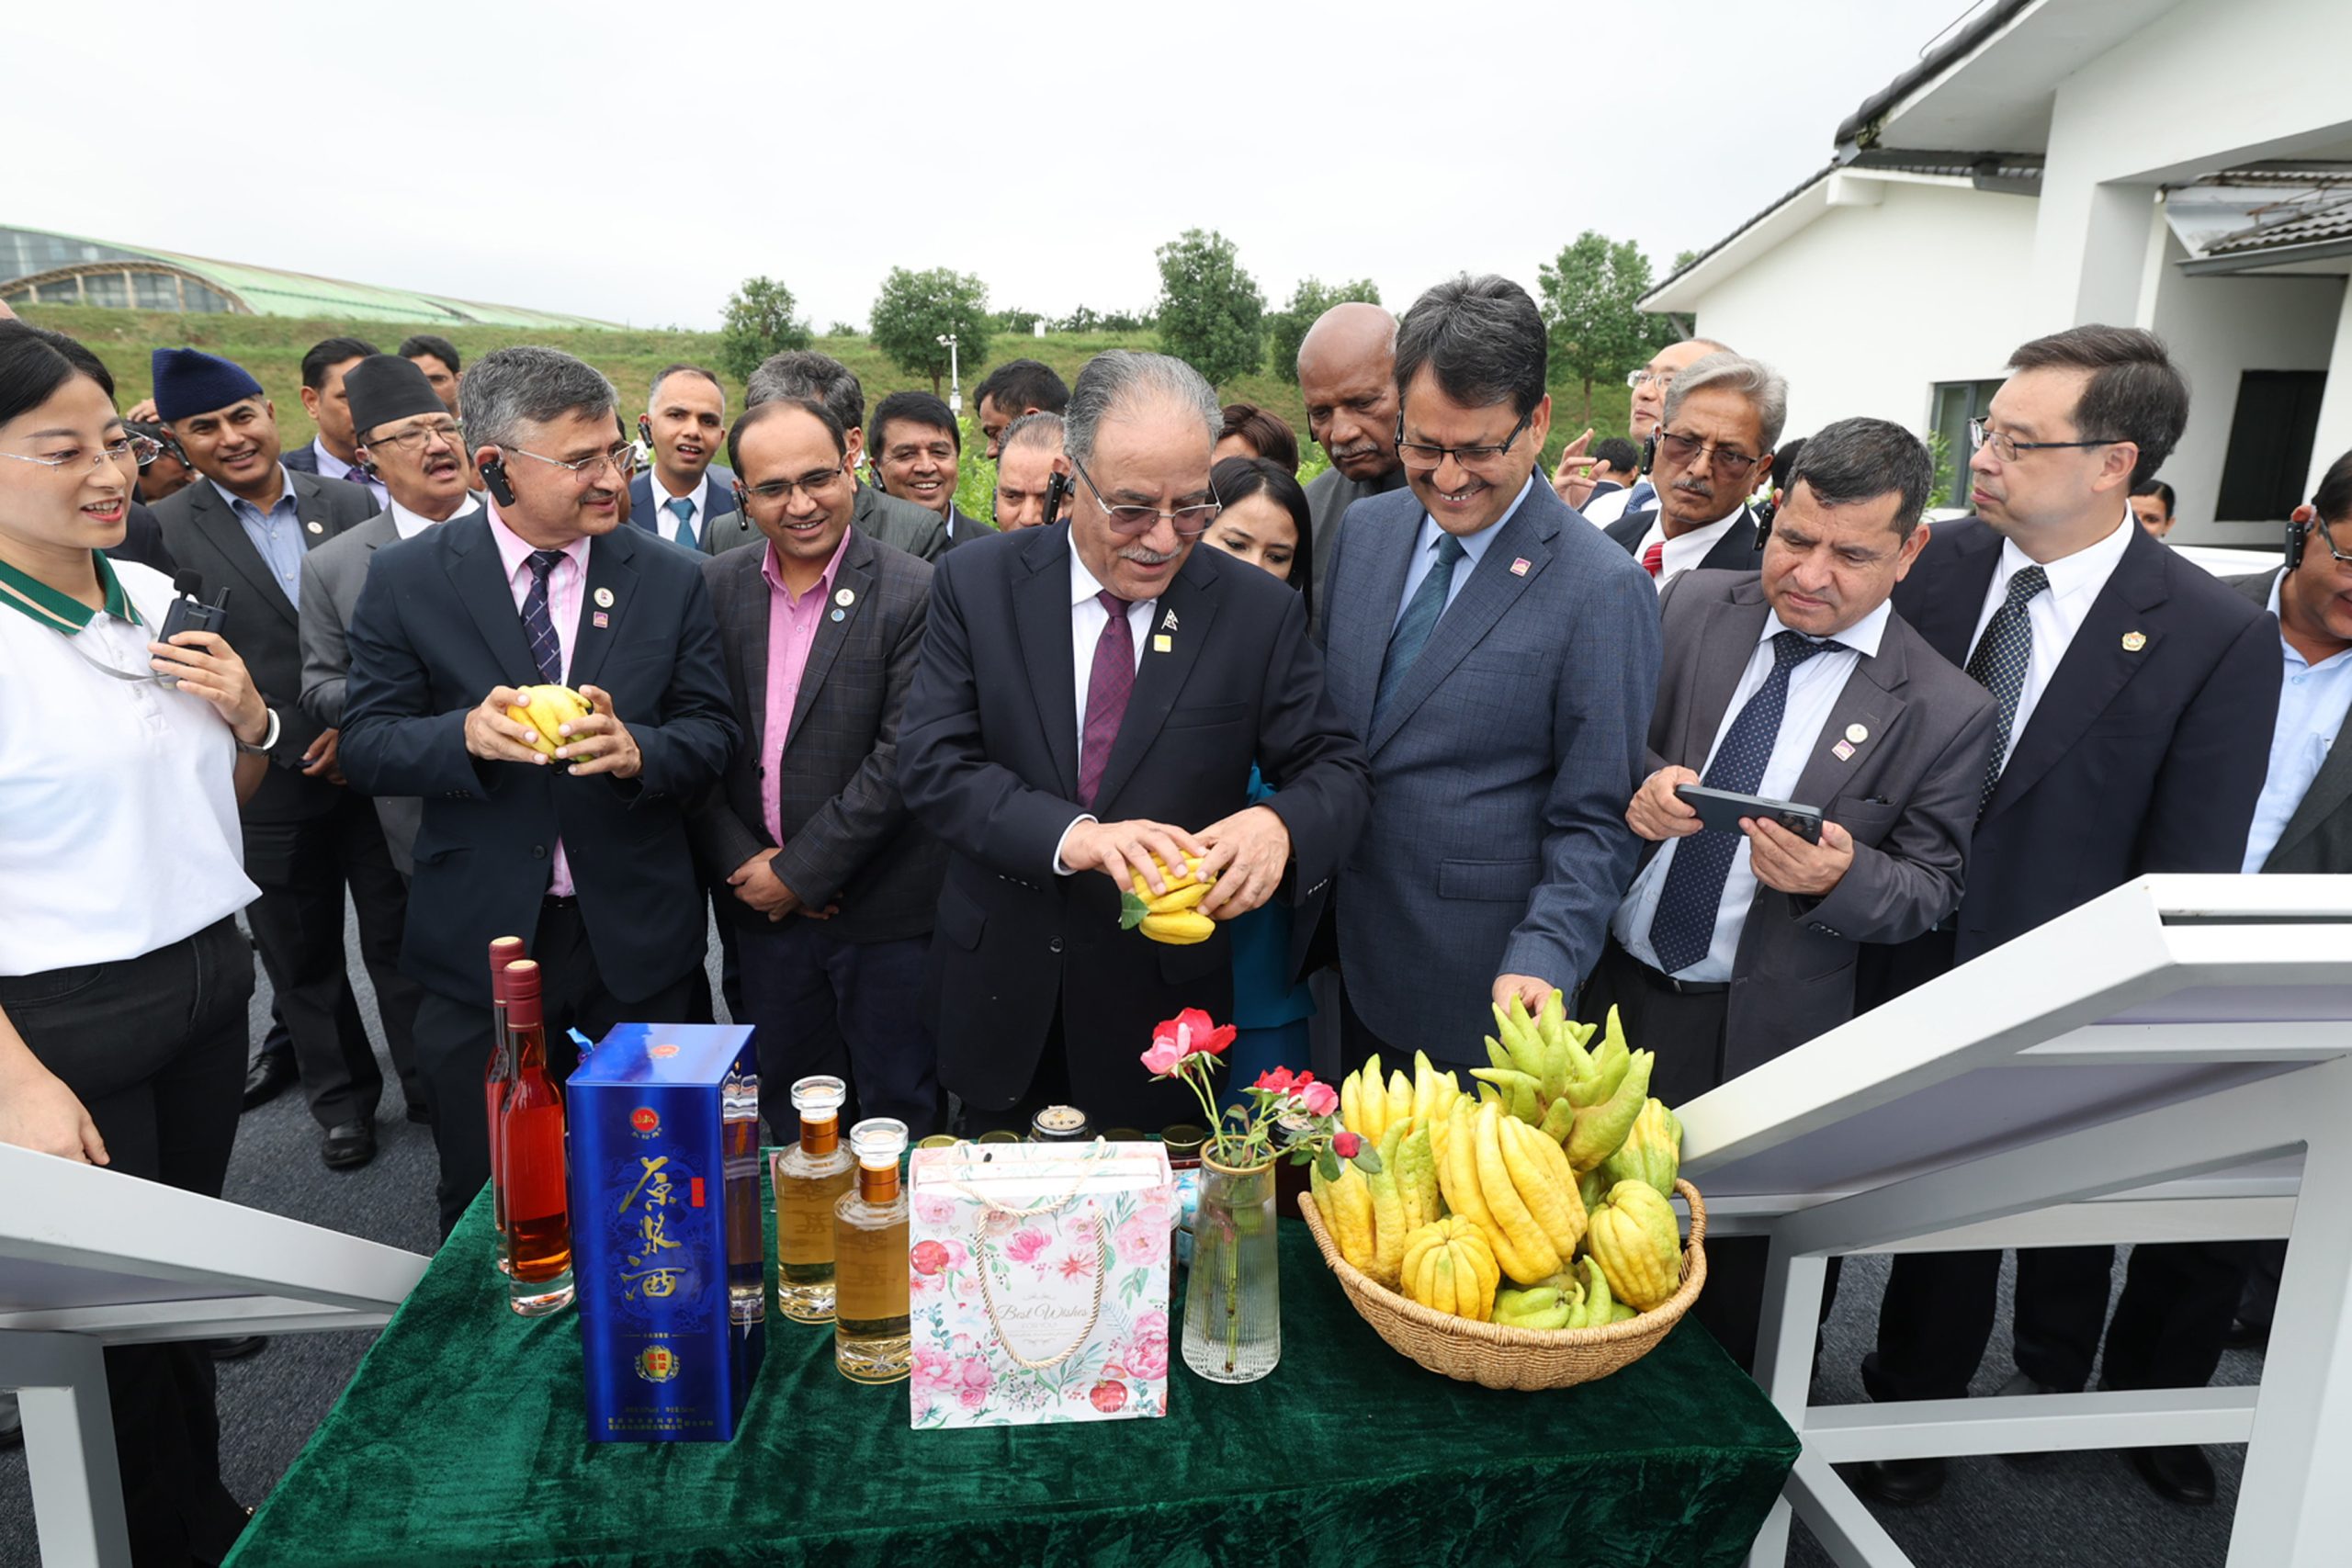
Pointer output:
1721, 418
1573, 478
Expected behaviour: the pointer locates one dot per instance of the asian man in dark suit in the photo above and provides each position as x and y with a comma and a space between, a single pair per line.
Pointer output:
805, 373
1092, 694
583, 854
1723, 415
1497, 659
918, 456
248, 525
2136, 697
684, 426
1800, 684
828, 883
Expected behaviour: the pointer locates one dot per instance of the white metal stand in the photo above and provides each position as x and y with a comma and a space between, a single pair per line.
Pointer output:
2172, 1061
90, 1258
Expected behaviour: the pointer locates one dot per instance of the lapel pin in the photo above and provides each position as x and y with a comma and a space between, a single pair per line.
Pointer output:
1168, 624
2134, 642
600, 620
1519, 566
1843, 750
844, 597
1163, 643
840, 614
604, 598
1857, 733
315, 526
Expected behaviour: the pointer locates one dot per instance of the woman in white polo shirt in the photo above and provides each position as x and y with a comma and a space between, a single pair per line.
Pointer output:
124, 981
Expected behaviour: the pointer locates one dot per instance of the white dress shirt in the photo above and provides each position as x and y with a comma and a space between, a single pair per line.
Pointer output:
409, 524
1087, 619
665, 522
334, 468
1603, 509
120, 796
1473, 549
1685, 550
2055, 614
1814, 688
2313, 701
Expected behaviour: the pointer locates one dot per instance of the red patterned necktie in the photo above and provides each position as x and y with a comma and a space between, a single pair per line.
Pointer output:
1654, 558
1107, 690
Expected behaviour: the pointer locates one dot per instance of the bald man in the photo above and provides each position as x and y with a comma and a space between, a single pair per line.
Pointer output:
1573, 480
1346, 364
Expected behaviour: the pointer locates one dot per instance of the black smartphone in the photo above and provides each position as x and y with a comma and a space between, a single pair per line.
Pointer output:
1720, 811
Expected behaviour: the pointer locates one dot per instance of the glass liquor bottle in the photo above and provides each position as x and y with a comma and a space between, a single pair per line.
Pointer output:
811, 1177
747, 1302
872, 1337
530, 1158
495, 1077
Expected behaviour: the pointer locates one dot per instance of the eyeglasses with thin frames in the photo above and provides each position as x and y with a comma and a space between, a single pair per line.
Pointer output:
622, 459
1190, 522
413, 438
816, 487
141, 448
2007, 447
1423, 455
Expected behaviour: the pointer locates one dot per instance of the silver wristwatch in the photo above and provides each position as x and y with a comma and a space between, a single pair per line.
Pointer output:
268, 739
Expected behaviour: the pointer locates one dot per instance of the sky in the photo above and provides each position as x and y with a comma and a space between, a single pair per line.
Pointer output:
635, 162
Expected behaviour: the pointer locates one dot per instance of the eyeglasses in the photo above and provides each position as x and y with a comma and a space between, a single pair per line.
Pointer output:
1190, 522
1422, 455
141, 448
1682, 450
2007, 447
413, 438
816, 487
2325, 532
1637, 379
622, 459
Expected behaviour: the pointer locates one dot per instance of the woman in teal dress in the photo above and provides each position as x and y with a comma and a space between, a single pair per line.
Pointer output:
1265, 523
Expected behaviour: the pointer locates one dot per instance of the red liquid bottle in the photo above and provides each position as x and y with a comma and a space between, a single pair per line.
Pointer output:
496, 1076
530, 1159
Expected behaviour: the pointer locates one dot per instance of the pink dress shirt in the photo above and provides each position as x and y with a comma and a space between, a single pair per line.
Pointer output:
792, 632
567, 585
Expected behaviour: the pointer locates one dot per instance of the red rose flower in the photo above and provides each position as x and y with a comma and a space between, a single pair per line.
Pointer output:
1347, 1145
1279, 1081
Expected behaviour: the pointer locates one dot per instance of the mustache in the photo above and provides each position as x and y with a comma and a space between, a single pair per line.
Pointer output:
1143, 555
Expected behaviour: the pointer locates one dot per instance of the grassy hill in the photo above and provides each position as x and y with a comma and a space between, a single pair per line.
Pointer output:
272, 348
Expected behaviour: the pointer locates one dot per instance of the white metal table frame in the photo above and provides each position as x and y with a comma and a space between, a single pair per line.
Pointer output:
89, 1258
2214, 1014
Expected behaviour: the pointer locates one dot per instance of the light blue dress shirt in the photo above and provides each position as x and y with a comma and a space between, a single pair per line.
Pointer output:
2313, 701
1473, 546
276, 533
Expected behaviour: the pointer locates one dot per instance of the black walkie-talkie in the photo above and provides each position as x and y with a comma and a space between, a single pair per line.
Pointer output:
1056, 488
188, 615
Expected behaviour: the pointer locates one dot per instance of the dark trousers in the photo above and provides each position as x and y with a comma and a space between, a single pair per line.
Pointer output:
2260, 1302
154, 1047
848, 1008
453, 1042
302, 868
1049, 1085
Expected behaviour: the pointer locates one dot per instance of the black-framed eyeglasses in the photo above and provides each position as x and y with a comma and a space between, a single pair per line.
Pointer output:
1190, 522
141, 448
1423, 455
2007, 447
815, 486
413, 438
1683, 450
622, 459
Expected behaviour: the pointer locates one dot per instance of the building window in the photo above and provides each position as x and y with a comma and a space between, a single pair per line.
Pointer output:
2271, 434
1950, 407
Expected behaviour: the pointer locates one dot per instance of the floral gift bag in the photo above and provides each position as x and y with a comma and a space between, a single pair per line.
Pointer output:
1040, 1282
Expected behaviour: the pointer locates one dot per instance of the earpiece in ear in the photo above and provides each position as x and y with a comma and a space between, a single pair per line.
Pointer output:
1649, 451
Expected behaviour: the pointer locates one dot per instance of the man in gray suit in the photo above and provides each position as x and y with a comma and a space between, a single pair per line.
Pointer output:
830, 885
1499, 659
247, 526
803, 372
1347, 375
415, 446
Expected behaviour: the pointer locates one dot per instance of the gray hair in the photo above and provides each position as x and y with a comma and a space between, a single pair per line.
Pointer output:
1861, 459
1033, 430
510, 387
1118, 377
805, 373
1761, 385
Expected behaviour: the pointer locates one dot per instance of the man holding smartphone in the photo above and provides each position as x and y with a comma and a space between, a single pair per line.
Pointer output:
1797, 686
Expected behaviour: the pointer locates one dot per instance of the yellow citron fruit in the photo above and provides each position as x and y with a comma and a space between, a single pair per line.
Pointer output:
1449, 1265
1172, 880
547, 709
1180, 927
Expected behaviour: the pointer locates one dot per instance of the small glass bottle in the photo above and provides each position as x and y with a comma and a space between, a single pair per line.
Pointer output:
747, 1296
810, 1177
872, 1338
530, 1158
1061, 1124
496, 1075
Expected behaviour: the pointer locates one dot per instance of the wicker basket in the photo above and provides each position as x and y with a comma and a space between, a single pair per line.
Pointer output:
1496, 1357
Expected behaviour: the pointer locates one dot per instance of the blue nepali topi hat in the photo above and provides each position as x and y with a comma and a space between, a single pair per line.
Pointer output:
189, 381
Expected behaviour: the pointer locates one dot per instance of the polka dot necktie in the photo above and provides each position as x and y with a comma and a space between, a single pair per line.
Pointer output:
683, 508
2003, 656
1683, 929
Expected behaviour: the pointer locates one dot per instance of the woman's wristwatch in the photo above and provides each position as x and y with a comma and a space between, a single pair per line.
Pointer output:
268, 735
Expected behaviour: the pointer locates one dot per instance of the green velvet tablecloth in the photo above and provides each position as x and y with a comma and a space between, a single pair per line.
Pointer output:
462, 1440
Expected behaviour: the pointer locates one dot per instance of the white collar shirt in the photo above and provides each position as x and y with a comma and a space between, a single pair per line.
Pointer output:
2313, 702
2055, 614
665, 515
1685, 550
409, 524
1087, 619
1473, 549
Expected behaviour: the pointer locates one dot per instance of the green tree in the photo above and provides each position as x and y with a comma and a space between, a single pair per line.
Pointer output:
760, 322
1308, 300
915, 309
1589, 296
1211, 314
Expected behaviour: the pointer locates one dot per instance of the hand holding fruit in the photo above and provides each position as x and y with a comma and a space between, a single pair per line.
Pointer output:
597, 741
501, 729
1173, 916
1125, 852
1248, 852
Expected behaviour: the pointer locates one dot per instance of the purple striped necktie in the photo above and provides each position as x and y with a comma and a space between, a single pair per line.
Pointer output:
1107, 690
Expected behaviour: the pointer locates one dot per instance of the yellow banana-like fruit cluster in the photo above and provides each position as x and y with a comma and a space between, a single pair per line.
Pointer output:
1173, 917
1371, 1214
547, 709
1449, 1267
1368, 1107
1636, 1244
1514, 1184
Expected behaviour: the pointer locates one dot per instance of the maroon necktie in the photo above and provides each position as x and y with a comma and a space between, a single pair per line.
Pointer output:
1107, 691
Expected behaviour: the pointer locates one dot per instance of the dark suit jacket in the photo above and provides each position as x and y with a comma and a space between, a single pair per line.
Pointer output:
1501, 770
435, 629
719, 500
302, 459
968, 528
2137, 759
205, 537
2317, 839
988, 759
1736, 551
143, 541
901, 525
1908, 794
847, 837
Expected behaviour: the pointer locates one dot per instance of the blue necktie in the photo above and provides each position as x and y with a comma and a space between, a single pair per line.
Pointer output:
1683, 929
546, 650
683, 508
1419, 619
2003, 656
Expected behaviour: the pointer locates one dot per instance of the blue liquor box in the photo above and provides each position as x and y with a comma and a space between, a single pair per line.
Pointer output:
668, 1244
